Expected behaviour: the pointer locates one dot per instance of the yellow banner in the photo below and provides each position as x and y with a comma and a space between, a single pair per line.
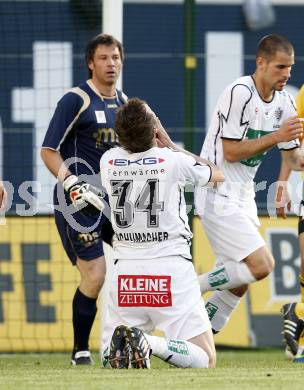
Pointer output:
37, 285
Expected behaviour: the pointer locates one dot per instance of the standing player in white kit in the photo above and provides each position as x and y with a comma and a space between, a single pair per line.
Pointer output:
154, 284
252, 115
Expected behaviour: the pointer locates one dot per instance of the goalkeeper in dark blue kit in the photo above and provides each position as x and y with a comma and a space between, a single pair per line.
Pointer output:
81, 130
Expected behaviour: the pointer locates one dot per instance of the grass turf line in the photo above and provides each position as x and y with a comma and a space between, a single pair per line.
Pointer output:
250, 369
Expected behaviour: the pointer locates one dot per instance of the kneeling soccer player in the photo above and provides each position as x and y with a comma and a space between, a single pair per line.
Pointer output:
154, 284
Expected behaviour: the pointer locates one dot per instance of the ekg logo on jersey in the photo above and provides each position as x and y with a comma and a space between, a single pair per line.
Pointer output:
144, 290
122, 162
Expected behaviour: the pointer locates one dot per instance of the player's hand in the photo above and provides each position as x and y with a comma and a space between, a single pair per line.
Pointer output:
162, 137
291, 129
3, 196
85, 197
282, 200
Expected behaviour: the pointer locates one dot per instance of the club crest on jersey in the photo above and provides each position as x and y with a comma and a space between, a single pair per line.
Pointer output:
141, 161
144, 291
100, 117
278, 114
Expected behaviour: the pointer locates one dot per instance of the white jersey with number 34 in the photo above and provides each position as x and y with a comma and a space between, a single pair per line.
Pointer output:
146, 196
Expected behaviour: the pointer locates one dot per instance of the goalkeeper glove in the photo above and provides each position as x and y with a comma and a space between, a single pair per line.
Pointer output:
85, 197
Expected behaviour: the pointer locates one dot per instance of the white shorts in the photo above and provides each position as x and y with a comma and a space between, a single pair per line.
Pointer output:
160, 293
232, 232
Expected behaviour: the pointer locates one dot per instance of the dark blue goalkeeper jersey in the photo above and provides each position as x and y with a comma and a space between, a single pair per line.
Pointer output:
82, 127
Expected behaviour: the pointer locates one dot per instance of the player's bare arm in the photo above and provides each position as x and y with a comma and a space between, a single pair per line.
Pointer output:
217, 175
235, 151
3, 196
162, 137
55, 163
163, 140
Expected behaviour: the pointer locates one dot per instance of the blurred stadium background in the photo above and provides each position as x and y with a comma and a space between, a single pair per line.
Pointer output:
179, 55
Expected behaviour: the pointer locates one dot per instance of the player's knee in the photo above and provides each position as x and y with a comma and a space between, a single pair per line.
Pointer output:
92, 284
97, 281
92, 274
260, 263
94, 279
266, 266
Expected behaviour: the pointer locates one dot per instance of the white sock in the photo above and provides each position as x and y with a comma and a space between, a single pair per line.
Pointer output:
179, 353
219, 308
230, 275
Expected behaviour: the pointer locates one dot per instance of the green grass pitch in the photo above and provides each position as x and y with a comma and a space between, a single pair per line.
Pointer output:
236, 369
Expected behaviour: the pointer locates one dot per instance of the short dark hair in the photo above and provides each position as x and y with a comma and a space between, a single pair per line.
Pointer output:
135, 126
101, 39
269, 45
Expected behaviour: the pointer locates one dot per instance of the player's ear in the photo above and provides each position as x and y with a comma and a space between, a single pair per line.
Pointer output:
90, 65
156, 134
259, 61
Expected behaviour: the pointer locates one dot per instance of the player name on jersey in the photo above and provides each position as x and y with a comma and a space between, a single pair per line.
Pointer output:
144, 290
142, 237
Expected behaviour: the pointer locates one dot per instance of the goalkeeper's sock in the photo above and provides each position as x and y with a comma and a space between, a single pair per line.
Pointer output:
230, 275
179, 353
301, 277
219, 308
84, 312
